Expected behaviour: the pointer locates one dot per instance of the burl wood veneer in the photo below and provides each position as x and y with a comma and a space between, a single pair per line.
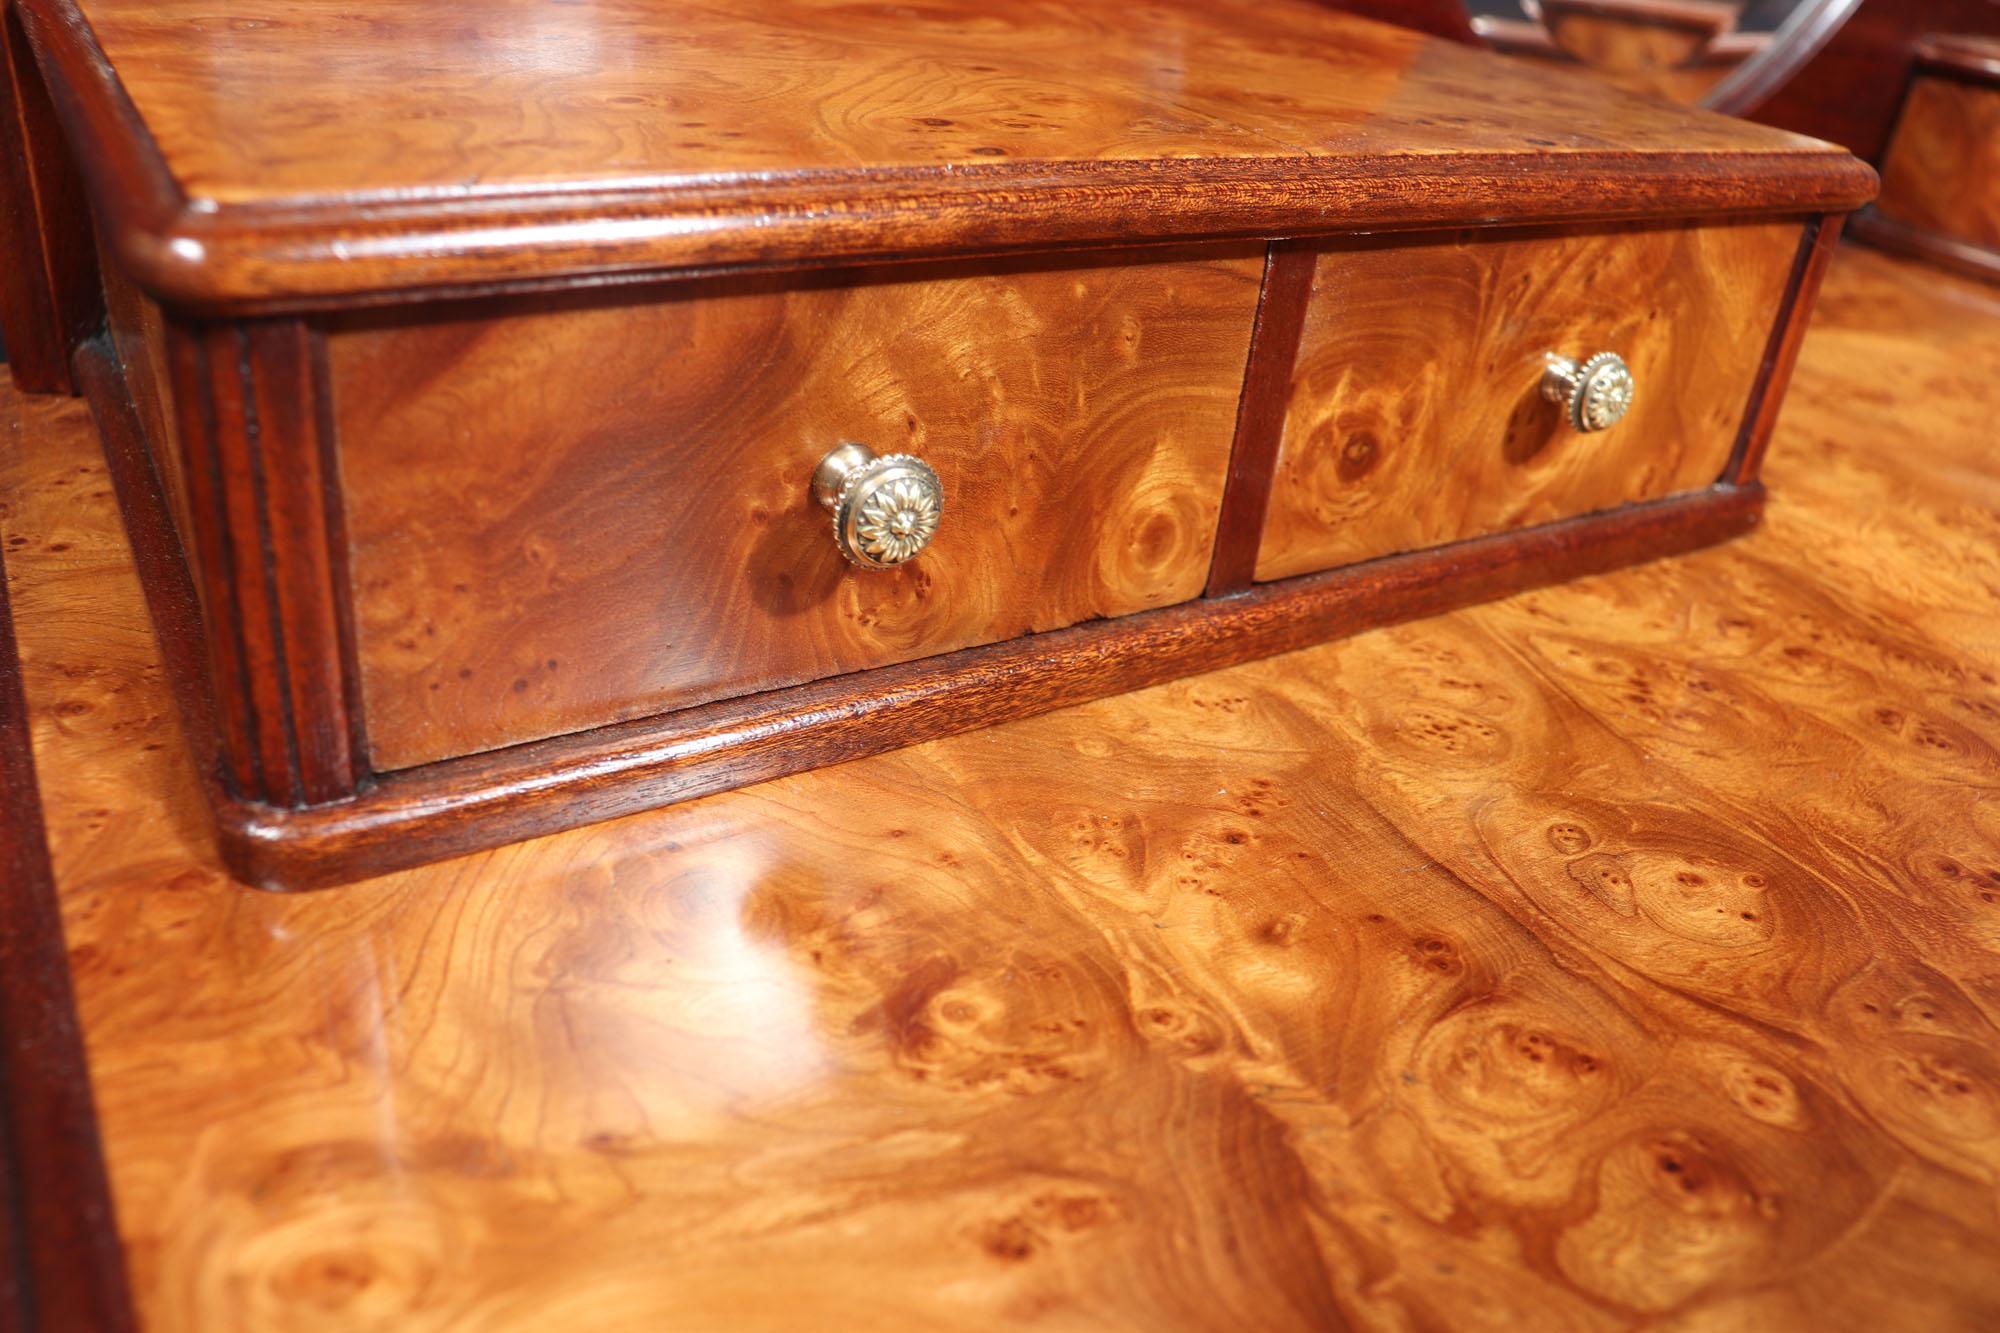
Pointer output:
1415, 417
467, 369
1079, 416
1617, 956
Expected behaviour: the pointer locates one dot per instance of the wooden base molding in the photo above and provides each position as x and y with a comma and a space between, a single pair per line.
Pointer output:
463, 805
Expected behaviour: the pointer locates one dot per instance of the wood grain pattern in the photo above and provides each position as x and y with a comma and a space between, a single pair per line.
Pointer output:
445, 809
1942, 171
1416, 417
1618, 955
634, 533
313, 154
61, 1270
457, 806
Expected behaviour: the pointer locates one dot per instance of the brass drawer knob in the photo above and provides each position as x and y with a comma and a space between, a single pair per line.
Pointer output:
885, 510
1596, 394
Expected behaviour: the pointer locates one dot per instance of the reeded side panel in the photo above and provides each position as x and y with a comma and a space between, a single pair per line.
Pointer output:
266, 557
1416, 416
595, 508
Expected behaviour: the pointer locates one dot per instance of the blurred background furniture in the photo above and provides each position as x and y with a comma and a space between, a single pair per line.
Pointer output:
1911, 86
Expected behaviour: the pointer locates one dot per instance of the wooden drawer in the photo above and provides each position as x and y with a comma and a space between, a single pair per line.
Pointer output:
486, 396
583, 510
1416, 416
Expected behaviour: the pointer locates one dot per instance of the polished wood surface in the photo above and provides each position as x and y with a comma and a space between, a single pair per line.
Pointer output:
636, 533
305, 798
61, 1263
1416, 416
298, 153
438, 810
1942, 171
1615, 955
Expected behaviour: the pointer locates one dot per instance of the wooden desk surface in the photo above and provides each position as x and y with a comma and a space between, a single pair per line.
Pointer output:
293, 150
1625, 951
276, 99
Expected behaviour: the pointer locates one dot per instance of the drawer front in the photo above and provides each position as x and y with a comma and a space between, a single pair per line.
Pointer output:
1416, 414
579, 510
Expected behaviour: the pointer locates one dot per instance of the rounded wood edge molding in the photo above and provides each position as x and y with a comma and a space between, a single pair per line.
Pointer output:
204, 257
466, 805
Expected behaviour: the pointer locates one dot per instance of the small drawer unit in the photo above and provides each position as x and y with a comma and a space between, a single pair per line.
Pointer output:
1418, 413
695, 394
566, 514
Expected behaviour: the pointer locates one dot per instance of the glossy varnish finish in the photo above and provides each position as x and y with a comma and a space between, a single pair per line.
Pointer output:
300, 154
267, 557
61, 1266
1415, 416
494, 562
634, 532
1617, 954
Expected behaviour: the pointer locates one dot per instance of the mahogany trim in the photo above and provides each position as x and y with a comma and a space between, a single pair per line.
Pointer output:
1873, 227
247, 403
49, 294
1260, 414
314, 254
1774, 377
62, 1269
482, 801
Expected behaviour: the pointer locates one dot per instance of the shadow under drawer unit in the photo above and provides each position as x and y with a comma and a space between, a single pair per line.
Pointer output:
514, 436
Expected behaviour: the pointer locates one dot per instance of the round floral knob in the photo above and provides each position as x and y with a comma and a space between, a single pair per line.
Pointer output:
1596, 394
885, 510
